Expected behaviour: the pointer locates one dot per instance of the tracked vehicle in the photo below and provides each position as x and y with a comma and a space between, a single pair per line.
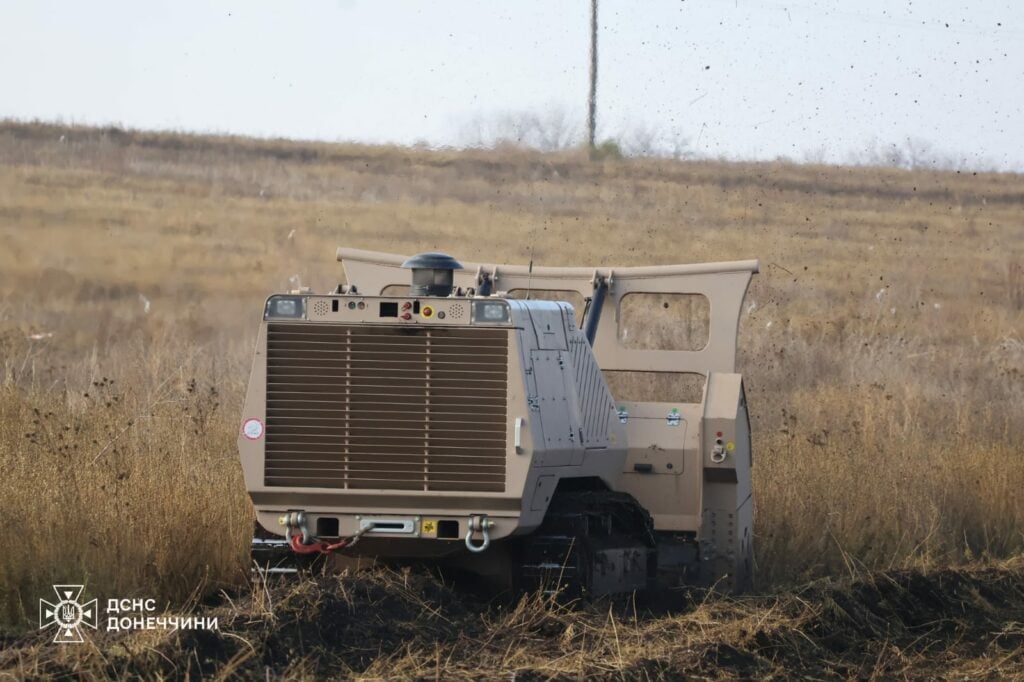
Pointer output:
459, 418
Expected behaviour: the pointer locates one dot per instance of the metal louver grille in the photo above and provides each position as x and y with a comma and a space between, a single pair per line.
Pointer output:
394, 408
595, 401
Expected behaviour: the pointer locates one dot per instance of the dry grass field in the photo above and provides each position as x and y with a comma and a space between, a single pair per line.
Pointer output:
883, 347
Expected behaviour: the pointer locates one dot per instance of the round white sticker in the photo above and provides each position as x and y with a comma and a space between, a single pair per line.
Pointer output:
252, 429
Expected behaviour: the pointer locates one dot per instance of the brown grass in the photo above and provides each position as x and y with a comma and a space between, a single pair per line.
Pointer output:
948, 624
883, 343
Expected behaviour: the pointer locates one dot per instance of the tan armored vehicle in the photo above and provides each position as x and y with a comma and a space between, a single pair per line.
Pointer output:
458, 422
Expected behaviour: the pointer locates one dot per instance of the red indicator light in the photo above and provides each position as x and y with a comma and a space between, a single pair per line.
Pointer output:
427, 311
406, 316
719, 434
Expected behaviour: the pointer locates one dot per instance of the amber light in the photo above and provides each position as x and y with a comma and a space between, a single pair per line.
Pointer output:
427, 311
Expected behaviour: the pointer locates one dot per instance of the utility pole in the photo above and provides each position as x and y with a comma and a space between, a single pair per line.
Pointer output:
592, 100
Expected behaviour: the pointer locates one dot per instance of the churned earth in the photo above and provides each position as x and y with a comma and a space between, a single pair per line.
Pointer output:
949, 623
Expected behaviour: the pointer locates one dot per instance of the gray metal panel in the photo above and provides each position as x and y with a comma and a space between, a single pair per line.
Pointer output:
554, 393
595, 402
548, 325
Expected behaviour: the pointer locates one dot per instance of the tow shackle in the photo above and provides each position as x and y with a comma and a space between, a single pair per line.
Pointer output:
479, 523
296, 521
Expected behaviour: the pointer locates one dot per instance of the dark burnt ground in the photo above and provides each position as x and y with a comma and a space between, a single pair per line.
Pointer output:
951, 623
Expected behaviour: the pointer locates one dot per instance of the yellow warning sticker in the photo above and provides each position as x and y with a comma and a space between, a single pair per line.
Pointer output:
428, 528
730, 446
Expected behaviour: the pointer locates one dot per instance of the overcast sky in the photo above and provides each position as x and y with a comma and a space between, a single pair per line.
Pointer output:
736, 78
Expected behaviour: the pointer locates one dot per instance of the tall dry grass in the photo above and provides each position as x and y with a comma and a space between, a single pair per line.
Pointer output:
883, 343
124, 478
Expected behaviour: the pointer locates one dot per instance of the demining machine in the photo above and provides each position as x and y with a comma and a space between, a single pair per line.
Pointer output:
430, 411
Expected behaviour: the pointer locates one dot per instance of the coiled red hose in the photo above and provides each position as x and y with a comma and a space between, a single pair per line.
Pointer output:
320, 546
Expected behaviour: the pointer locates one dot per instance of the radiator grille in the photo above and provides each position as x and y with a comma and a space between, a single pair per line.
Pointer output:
394, 408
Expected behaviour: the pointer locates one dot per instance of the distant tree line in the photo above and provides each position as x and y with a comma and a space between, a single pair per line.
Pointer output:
557, 130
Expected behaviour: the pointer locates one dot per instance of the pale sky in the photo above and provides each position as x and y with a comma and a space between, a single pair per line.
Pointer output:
737, 78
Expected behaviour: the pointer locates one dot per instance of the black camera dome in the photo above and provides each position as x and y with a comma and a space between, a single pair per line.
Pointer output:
433, 274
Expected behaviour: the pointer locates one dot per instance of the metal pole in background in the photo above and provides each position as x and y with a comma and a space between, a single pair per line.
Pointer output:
592, 101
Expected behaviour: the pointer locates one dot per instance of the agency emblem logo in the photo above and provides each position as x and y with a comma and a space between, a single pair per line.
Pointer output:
67, 614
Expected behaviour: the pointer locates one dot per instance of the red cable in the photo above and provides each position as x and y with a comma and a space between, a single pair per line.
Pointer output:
318, 546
